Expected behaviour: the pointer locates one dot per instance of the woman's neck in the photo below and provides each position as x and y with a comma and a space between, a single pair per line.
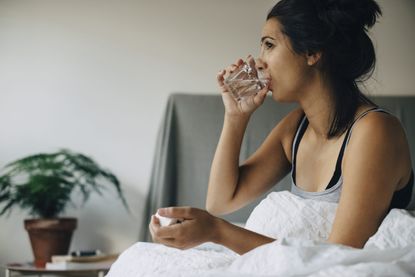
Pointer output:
319, 106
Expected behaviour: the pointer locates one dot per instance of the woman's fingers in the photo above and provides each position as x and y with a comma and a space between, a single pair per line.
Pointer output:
239, 62
228, 70
158, 232
156, 220
165, 232
247, 104
259, 98
168, 235
154, 223
151, 228
220, 78
168, 242
178, 212
251, 62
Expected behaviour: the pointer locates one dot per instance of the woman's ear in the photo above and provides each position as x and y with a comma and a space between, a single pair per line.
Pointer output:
313, 58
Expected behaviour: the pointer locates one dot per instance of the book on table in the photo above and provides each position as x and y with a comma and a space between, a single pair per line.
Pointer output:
61, 262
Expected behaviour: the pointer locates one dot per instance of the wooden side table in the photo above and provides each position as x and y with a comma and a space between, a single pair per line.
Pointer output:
24, 269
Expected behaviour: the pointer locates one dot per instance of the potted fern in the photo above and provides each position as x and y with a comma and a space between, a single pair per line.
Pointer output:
43, 184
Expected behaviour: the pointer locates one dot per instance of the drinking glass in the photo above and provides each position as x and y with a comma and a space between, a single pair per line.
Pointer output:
245, 81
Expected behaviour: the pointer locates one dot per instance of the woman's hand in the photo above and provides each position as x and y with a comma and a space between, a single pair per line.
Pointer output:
247, 105
198, 227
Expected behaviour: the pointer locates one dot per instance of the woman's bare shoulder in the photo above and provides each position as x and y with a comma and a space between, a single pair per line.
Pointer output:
380, 126
384, 131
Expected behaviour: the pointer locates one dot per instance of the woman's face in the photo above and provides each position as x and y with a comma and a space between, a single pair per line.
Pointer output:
289, 72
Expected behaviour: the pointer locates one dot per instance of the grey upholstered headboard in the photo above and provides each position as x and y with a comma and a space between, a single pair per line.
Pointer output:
188, 137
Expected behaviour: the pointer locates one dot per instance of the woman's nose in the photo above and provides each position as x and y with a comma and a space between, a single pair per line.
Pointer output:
260, 64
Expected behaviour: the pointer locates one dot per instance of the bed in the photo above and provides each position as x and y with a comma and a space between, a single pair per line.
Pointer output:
185, 147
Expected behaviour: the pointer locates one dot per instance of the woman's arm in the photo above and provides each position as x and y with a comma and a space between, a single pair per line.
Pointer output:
231, 186
239, 239
224, 172
199, 226
376, 163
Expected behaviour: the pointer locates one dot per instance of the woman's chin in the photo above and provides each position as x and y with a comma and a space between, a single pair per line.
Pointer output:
278, 97
275, 96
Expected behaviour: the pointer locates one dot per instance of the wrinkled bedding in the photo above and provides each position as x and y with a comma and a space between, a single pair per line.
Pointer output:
300, 227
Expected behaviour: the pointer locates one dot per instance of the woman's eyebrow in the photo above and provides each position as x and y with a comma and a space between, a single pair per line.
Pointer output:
265, 37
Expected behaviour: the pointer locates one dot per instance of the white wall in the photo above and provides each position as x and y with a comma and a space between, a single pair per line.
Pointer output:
394, 40
94, 76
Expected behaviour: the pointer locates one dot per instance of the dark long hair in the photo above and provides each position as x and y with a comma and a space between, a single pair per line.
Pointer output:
337, 29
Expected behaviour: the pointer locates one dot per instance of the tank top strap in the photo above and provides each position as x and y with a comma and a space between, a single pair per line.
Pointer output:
302, 126
299, 133
350, 130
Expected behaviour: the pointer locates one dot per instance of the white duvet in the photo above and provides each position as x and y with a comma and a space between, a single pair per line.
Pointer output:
300, 226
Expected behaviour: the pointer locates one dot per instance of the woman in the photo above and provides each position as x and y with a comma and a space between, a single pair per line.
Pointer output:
338, 145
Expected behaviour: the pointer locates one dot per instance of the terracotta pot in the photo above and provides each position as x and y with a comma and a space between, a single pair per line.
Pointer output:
49, 237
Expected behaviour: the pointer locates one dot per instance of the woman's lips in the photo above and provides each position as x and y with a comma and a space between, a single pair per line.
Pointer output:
265, 77
269, 84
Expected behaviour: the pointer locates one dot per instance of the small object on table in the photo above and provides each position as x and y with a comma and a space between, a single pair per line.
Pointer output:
84, 259
81, 253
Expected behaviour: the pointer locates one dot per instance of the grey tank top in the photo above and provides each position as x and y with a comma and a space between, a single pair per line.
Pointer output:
334, 188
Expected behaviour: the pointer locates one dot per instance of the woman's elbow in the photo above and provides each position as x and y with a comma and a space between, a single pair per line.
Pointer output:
215, 209
212, 209
355, 243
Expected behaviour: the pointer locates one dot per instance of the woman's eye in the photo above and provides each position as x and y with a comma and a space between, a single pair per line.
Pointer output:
268, 45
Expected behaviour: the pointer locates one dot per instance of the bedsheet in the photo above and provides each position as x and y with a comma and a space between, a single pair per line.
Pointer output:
300, 227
